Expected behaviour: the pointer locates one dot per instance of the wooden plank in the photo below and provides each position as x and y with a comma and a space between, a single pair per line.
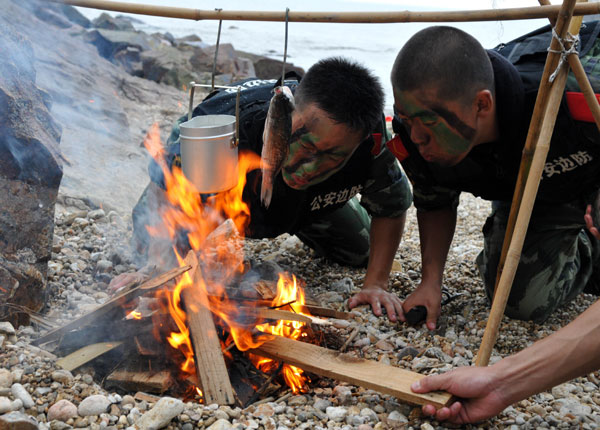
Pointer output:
209, 361
86, 354
113, 303
344, 367
152, 382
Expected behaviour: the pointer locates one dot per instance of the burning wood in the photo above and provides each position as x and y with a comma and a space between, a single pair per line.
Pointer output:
209, 361
115, 303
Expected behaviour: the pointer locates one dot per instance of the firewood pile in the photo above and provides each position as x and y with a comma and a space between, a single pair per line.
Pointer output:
123, 343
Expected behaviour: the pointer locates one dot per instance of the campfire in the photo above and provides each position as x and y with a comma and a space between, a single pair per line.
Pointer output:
219, 328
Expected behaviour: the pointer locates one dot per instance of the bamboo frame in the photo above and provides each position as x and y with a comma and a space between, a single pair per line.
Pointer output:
592, 102
532, 165
506, 14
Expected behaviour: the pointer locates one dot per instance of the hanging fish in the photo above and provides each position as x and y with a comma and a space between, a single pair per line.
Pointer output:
276, 140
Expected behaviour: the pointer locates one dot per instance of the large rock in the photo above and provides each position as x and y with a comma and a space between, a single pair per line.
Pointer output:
168, 65
113, 23
30, 174
60, 15
228, 62
110, 42
104, 112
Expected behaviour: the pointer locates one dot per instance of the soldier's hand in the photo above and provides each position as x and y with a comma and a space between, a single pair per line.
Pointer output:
378, 297
477, 387
430, 296
589, 222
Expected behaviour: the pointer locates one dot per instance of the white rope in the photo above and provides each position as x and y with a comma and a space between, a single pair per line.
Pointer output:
564, 52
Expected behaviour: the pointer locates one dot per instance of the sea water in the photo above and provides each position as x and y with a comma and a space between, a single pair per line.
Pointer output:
373, 45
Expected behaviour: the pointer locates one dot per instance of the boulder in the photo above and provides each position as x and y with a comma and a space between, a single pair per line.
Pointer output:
108, 22
228, 62
60, 15
109, 42
104, 112
30, 174
168, 65
268, 68
73, 15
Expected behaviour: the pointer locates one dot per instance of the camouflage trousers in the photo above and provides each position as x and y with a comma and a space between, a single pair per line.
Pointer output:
341, 236
560, 259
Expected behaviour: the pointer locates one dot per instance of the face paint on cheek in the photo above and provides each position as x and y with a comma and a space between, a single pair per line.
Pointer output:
449, 140
306, 165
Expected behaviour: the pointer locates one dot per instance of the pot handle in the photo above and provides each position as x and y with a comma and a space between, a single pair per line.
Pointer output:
235, 140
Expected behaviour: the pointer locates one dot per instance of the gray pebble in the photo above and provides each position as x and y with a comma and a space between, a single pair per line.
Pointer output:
63, 376
336, 413
21, 393
161, 414
93, 405
321, 404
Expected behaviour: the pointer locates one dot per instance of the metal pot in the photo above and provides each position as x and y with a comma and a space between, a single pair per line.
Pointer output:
209, 154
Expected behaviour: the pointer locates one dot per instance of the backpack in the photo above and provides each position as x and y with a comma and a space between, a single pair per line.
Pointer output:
528, 54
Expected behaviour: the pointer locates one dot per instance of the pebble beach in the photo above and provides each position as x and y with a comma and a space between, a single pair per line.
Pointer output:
91, 246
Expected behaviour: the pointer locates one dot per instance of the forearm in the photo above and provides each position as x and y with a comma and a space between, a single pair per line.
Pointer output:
570, 352
436, 229
385, 237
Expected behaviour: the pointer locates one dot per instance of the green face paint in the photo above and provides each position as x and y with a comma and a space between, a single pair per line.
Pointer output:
439, 133
308, 163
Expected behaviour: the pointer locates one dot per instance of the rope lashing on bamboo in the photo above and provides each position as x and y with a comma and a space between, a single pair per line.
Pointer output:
564, 52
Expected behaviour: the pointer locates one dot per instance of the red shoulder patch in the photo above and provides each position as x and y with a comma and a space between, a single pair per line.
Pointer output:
397, 148
578, 107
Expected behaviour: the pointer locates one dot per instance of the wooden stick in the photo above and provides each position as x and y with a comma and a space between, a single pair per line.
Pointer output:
335, 17
350, 339
319, 311
209, 361
113, 303
273, 314
153, 382
541, 103
541, 125
582, 79
344, 367
86, 354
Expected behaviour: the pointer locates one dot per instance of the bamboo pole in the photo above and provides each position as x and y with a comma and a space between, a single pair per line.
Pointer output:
531, 12
541, 104
538, 138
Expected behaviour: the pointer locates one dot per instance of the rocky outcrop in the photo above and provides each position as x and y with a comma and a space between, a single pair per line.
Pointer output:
30, 175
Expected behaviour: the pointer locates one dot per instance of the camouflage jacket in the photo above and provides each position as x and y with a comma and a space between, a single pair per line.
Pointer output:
375, 175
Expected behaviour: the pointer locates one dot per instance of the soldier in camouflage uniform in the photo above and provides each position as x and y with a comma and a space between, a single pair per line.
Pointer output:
462, 116
335, 155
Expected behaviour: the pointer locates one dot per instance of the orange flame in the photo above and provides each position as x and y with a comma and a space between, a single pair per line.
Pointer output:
220, 259
134, 315
287, 292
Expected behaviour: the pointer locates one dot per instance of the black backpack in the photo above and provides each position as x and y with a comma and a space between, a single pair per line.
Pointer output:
528, 54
